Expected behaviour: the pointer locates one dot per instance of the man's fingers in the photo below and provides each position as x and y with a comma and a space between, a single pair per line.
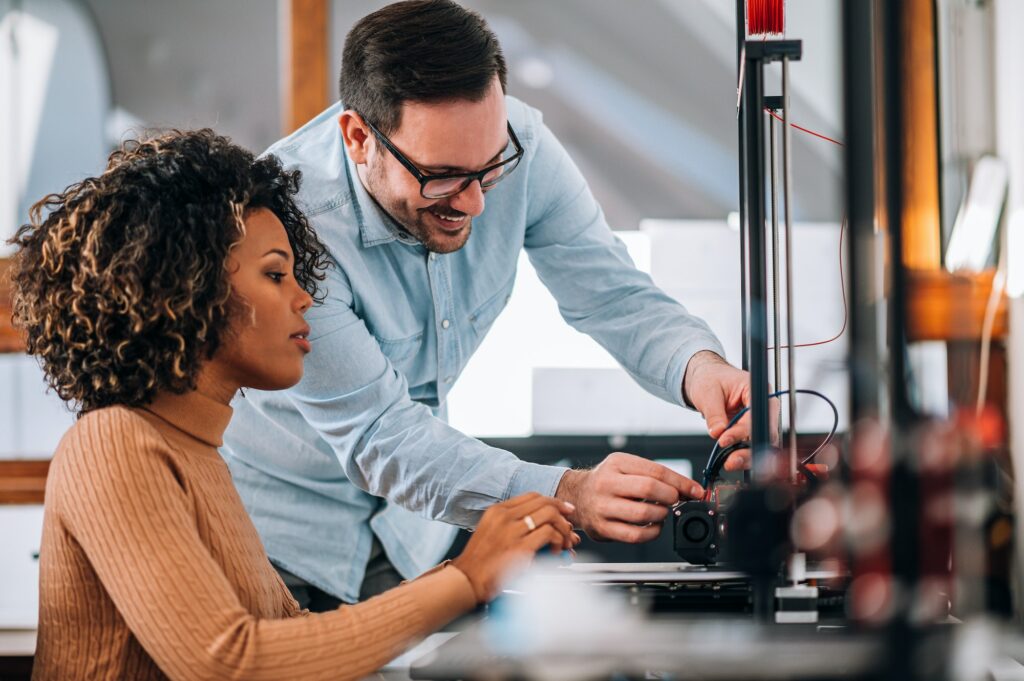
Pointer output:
636, 512
626, 532
774, 407
715, 418
738, 460
646, 488
634, 487
740, 431
636, 466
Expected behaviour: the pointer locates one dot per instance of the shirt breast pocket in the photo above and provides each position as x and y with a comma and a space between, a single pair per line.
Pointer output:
401, 351
484, 315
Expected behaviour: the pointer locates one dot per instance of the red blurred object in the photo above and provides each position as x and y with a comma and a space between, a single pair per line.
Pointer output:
985, 429
818, 470
766, 17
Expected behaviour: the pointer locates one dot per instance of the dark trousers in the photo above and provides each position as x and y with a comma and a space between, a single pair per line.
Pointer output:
380, 576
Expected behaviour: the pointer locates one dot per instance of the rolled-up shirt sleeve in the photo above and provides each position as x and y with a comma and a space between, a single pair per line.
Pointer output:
599, 290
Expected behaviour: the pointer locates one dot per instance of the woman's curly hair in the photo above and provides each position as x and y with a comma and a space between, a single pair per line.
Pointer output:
121, 282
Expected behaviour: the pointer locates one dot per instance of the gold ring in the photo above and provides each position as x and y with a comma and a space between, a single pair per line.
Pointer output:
529, 523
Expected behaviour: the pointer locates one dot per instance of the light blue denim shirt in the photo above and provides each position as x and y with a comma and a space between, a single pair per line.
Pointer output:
361, 446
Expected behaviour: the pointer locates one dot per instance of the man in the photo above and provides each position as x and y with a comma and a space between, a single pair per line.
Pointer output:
396, 178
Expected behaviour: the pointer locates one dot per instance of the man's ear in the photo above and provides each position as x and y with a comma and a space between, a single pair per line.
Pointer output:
356, 135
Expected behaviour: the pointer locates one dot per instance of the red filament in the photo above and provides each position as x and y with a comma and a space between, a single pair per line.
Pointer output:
766, 17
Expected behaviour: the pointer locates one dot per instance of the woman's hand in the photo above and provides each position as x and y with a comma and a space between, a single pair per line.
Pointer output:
512, 532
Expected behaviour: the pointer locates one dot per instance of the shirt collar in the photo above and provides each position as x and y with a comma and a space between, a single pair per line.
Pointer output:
375, 226
193, 413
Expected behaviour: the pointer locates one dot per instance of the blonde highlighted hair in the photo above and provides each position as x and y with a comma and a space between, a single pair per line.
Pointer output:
120, 282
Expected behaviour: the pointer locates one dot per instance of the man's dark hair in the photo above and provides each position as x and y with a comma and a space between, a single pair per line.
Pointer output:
419, 51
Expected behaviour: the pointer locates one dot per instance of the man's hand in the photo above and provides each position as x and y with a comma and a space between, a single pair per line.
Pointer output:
625, 498
718, 390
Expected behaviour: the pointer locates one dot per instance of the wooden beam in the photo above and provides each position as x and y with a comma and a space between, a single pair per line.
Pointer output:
10, 338
23, 482
921, 222
307, 53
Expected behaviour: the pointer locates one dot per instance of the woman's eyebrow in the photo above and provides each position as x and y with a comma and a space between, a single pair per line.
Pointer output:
278, 251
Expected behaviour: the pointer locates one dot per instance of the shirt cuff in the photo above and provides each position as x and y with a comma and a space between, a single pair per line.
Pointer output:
534, 477
677, 367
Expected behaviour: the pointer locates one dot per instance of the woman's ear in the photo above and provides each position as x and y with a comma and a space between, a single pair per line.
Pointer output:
356, 135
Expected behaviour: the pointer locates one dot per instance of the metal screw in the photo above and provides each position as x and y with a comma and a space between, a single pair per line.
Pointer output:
679, 512
710, 512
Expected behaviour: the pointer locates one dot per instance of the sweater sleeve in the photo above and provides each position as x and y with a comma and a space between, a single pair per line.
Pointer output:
133, 519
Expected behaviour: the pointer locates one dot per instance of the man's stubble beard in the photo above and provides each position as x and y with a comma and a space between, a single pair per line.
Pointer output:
412, 221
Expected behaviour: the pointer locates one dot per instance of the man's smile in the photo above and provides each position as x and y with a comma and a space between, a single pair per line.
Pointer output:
448, 222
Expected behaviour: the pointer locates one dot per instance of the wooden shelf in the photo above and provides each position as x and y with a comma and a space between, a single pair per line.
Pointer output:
23, 481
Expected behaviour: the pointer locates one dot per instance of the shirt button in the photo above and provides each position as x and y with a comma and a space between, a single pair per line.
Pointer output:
447, 379
432, 256
445, 324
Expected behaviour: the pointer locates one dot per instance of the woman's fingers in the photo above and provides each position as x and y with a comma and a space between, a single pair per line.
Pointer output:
541, 537
548, 515
503, 539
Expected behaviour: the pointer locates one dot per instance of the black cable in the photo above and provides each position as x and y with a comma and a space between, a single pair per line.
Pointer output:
714, 467
717, 458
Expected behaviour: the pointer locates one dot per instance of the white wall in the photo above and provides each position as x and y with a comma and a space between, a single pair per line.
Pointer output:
535, 374
32, 418
54, 99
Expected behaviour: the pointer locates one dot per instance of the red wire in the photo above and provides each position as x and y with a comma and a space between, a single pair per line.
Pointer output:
809, 132
842, 284
842, 230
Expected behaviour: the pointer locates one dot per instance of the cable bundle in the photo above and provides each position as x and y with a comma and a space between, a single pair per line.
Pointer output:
766, 17
718, 456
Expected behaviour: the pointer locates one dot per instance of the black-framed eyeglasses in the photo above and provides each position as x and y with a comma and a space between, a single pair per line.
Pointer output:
444, 186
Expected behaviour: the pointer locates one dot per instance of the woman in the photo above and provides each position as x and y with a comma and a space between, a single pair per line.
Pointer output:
151, 295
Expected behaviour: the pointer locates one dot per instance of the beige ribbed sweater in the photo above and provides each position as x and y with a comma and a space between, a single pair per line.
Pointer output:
151, 569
